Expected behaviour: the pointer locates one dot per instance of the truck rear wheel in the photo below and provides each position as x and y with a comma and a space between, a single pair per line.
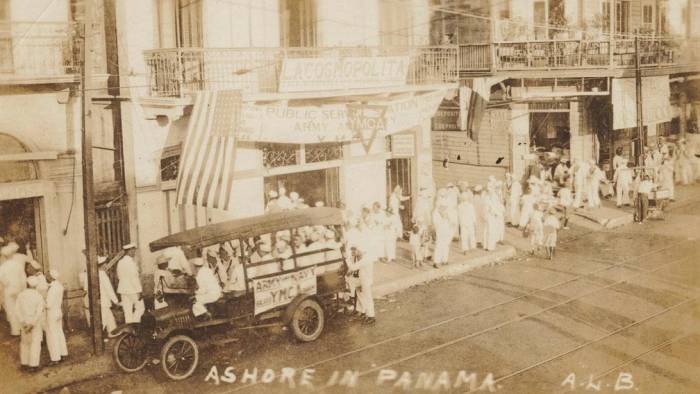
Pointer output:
308, 321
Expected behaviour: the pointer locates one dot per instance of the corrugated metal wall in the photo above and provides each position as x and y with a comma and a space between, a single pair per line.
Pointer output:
474, 161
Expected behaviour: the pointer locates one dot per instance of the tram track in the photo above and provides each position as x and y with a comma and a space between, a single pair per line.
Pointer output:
522, 318
594, 341
577, 277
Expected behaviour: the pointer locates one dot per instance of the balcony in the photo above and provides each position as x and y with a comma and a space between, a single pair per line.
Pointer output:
41, 52
182, 71
577, 55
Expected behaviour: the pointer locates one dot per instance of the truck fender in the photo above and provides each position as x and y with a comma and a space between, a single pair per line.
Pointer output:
123, 329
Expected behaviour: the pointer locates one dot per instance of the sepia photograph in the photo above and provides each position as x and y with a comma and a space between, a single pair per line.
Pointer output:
349, 196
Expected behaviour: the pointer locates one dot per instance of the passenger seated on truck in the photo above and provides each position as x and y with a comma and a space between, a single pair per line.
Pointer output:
168, 281
236, 277
271, 265
317, 245
177, 261
208, 289
283, 253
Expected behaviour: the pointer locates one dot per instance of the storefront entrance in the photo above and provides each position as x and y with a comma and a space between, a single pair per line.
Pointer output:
549, 131
20, 221
313, 186
398, 173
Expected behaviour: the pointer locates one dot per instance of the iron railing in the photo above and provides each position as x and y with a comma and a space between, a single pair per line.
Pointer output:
577, 54
180, 71
38, 49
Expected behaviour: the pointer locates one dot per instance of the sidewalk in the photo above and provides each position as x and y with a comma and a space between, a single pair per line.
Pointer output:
393, 277
610, 216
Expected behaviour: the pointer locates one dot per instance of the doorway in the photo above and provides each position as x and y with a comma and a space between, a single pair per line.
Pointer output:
20, 221
313, 186
549, 131
398, 173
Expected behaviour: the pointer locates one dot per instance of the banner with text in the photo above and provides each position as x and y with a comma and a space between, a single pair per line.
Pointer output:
397, 115
280, 290
656, 104
334, 73
294, 125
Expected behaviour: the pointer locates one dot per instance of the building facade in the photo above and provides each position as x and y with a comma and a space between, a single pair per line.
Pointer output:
307, 130
553, 78
40, 132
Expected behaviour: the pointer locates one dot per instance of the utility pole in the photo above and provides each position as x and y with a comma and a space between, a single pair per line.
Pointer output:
640, 119
90, 36
682, 103
641, 137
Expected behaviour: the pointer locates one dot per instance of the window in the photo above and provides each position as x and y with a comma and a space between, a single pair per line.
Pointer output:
298, 23
622, 17
540, 19
170, 163
190, 19
605, 16
694, 18
282, 155
178, 23
395, 24
663, 18
648, 17
315, 153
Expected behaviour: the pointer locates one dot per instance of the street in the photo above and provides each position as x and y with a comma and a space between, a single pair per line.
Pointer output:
616, 310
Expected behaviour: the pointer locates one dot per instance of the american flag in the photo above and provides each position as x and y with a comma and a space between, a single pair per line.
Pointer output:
205, 177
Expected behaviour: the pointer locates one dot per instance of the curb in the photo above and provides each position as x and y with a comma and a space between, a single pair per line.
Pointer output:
384, 289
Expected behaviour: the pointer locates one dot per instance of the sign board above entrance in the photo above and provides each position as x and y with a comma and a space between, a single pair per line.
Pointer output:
403, 145
335, 123
335, 73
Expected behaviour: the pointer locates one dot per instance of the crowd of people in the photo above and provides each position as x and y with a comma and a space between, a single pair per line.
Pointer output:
539, 204
33, 305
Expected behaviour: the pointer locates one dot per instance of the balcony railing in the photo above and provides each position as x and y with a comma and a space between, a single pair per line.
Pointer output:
576, 54
181, 71
41, 49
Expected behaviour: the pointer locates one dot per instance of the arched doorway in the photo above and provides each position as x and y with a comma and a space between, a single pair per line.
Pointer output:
20, 218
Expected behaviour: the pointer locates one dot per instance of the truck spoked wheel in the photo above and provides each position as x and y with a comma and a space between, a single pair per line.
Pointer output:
308, 321
130, 353
179, 357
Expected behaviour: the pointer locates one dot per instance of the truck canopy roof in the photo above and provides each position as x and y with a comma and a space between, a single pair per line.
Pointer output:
215, 233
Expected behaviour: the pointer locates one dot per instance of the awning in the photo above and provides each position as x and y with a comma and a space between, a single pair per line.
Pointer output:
656, 101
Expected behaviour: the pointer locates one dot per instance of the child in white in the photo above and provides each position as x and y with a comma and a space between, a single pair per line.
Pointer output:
536, 229
415, 240
551, 225
566, 200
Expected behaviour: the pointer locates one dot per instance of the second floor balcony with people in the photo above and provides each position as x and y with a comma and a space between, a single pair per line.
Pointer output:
610, 57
